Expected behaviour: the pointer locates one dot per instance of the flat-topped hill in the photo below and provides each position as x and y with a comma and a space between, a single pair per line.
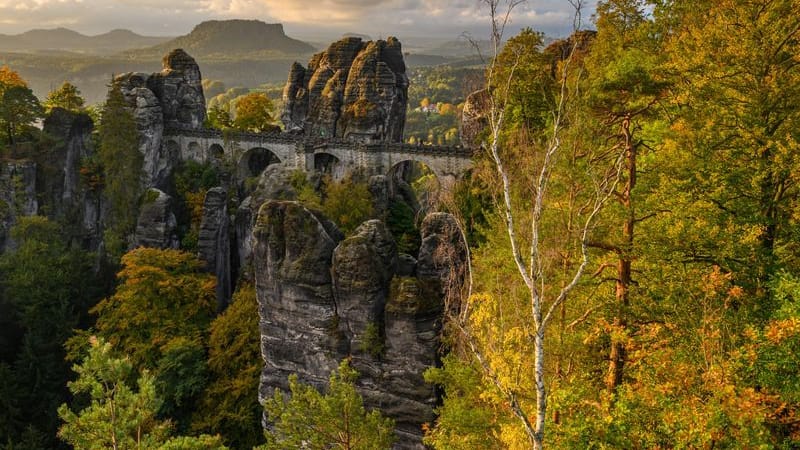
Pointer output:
234, 37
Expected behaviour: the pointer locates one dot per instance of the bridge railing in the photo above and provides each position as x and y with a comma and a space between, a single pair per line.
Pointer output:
312, 144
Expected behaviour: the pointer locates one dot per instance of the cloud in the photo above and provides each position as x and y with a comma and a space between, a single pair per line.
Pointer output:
446, 18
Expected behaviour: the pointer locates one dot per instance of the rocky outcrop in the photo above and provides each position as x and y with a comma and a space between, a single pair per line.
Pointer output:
474, 117
17, 196
171, 98
214, 242
363, 266
156, 226
323, 298
299, 325
73, 134
355, 90
179, 90
66, 190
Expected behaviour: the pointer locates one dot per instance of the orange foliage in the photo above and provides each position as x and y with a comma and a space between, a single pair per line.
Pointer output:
9, 77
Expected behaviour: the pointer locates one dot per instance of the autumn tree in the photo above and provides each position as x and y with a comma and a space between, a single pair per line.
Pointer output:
622, 92
348, 203
159, 316
10, 77
67, 96
254, 112
19, 107
740, 75
219, 117
229, 404
550, 190
336, 420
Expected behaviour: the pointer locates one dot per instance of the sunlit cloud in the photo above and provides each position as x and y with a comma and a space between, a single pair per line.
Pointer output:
447, 18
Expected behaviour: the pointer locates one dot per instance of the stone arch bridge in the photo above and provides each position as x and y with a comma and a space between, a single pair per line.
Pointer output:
252, 153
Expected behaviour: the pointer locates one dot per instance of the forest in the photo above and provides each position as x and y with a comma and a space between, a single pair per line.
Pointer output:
633, 226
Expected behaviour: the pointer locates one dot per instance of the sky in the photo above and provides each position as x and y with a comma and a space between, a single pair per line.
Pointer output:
301, 18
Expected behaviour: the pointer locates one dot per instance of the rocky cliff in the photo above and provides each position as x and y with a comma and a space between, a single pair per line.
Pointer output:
172, 98
17, 196
356, 90
323, 298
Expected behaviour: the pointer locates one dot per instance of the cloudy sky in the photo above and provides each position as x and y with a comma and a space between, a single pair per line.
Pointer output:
301, 18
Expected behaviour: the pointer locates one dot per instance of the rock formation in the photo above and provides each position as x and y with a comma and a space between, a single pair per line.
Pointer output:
214, 242
172, 98
156, 226
65, 194
323, 298
355, 90
17, 196
474, 117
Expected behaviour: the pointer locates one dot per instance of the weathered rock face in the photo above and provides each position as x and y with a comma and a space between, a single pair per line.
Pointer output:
214, 242
156, 226
74, 135
179, 90
171, 98
354, 89
17, 196
474, 117
323, 298
61, 193
295, 294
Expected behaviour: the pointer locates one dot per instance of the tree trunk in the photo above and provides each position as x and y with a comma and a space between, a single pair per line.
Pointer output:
541, 394
618, 354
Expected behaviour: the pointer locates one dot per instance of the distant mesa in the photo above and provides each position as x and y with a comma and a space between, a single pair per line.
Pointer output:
233, 37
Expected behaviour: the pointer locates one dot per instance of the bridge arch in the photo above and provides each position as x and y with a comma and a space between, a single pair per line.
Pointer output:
172, 149
329, 164
253, 162
194, 152
216, 151
416, 182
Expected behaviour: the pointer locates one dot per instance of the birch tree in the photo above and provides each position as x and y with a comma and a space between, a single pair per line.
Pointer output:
526, 163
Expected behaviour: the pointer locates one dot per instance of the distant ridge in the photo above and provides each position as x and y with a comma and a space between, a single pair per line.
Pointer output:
233, 37
64, 39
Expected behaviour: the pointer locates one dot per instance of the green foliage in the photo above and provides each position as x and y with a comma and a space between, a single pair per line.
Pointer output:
67, 96
119, 415
19, 108
229, 406
192, 181
444, 87
401, 222
348, 203
336, 420
254, 113
45, 290
372, 341
431, 128
162, 295
464, 421
218, 117
122, 162
160, 314
181, 377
